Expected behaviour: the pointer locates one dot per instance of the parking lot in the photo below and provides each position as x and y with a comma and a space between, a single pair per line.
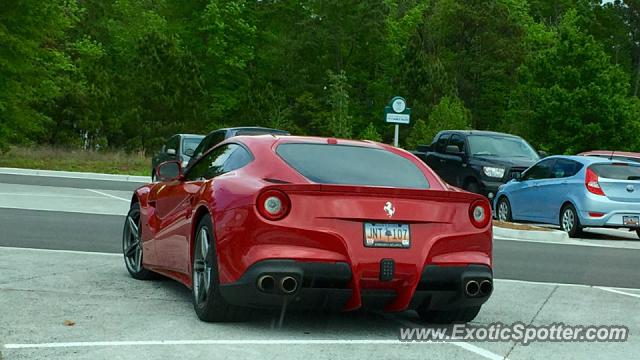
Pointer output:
59, 262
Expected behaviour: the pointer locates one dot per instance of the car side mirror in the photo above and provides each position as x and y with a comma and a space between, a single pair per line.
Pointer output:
169, 171
189, 152
454, 150
171, 151
516, 176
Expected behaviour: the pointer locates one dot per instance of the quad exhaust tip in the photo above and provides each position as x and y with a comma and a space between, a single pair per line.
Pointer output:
486, 287
472, 288
266, 283
288, 284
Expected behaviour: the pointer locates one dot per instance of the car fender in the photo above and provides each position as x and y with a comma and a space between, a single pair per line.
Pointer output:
574, 200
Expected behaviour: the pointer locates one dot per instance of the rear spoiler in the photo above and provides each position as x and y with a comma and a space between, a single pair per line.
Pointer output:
426, 194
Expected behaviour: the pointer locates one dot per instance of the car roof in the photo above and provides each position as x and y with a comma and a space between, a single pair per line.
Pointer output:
192, 135
586, 160
479, 132
610, 153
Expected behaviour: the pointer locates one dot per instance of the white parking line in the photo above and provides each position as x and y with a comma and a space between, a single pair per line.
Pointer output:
108, 195
464, 345
53, 195
569, 242
617, 291
215, 342
538, 282
60, 251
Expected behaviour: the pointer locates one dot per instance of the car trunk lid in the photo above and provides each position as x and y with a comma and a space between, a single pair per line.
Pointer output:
619, 181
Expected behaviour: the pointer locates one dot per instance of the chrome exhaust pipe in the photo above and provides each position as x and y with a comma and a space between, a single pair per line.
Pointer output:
486, 287
472, 288
288, 284
266, 283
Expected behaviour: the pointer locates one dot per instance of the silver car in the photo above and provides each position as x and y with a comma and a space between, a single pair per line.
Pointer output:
574, 192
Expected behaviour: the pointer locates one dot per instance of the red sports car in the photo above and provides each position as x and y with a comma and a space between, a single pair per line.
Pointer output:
314, 223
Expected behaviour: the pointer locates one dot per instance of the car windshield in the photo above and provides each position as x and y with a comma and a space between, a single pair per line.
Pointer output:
499, 146
190, 144
617, 171
352, 165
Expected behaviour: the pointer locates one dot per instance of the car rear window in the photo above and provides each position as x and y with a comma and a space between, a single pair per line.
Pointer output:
618, 171
352, 165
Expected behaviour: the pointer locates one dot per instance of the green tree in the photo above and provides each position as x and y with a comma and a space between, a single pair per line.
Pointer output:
370, 133
420, 134
470, 49
339, 118
571, 97
449, 114
33, 66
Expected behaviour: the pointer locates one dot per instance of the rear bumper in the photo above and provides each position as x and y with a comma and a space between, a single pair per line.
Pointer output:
613, 211
332, 286
613, 219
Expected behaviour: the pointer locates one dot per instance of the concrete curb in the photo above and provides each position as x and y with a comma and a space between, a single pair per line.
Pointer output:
551, 235
75, 175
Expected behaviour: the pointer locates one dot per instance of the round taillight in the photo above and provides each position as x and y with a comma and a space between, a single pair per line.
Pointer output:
480, 213
273, 204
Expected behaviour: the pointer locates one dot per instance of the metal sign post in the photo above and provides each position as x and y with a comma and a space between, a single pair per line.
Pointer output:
397, 112
395, 135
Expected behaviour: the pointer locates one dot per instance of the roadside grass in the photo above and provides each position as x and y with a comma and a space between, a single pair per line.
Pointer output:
54, 158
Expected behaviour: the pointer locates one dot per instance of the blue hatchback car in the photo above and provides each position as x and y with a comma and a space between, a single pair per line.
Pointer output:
574, 192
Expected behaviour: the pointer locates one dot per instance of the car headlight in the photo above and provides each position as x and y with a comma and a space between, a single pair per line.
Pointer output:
494, 172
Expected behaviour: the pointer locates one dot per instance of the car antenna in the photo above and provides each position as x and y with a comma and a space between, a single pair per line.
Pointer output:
611, 156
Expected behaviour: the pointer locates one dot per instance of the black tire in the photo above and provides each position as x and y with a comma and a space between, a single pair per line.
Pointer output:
472, 186
638, 232
503, 209
570, 224
132, 245
208, 303
460, 315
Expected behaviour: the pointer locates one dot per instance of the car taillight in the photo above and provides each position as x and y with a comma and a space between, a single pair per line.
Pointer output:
592, 184
480, 213
273, 204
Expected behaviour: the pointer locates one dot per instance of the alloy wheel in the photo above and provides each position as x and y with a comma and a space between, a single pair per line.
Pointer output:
202, 266
568, 220
503, 211
132, 245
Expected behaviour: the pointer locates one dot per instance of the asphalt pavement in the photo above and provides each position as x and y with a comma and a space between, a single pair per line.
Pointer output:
93, 221
60, 260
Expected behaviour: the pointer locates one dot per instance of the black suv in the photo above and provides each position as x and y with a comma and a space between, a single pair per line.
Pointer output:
178, 147
477, 161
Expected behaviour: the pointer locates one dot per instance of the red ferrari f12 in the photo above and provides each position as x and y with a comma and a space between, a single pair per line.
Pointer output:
261, 221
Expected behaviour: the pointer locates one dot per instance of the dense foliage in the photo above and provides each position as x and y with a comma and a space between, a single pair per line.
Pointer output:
125, 74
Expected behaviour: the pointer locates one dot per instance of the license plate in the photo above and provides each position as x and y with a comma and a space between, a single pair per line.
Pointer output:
387, 235
630, 220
